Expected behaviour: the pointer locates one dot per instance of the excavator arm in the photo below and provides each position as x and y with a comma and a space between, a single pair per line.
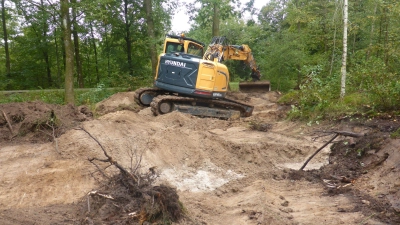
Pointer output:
220, 51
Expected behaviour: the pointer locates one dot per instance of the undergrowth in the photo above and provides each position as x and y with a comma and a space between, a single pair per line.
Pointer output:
372, 90
82, 96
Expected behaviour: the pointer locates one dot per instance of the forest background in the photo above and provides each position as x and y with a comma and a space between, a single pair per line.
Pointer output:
298, 45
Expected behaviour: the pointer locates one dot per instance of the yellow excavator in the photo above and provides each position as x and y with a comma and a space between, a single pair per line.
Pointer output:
192, 81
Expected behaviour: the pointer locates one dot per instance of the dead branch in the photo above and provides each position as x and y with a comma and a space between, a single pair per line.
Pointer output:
54, 136
91, 193
109, 158
133, 155
97, 166
323, 135
347, 133
8, 122
337, 133
344, 133
316, 152
342, 179
100, 194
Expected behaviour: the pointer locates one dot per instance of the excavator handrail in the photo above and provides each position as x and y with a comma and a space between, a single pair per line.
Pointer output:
185, 38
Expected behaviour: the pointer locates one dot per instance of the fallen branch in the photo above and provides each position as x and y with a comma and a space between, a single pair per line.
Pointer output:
100, 194
8, 123
109, 158
316, 152
337, 133
342, 179
348, 134
98, 168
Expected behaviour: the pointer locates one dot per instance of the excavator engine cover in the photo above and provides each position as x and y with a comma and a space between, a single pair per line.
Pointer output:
254, 86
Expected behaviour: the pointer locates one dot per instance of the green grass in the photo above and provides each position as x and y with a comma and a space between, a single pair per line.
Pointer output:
234, 86
82, 97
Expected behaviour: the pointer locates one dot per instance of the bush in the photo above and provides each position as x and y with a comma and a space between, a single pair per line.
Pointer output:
370, 88
93, 96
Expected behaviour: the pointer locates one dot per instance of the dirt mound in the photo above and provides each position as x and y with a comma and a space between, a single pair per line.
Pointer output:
353, 166
38, 122
224, 172
117, 102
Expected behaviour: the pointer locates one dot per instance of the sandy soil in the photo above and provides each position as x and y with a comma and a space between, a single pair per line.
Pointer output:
225, 172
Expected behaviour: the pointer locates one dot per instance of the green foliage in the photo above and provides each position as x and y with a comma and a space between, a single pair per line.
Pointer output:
368, 94
37, 52
83, 97
202, 11
297, 46
374, 79
234, 86
93, 96
51, 97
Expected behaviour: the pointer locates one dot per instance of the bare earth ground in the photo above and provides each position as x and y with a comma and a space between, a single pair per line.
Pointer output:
225, 172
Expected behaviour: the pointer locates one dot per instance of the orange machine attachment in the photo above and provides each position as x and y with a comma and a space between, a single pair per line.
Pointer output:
219, 51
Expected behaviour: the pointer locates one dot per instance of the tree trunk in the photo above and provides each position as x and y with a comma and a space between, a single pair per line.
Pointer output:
344, 57
95, 53
78, 61
386, 39
215, 27
45, 48
150, 31
334, 44
69, 53
57, 59
3, 18
108, 50
128, 38
372, 32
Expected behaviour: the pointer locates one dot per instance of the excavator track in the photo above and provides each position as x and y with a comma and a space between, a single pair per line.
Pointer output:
220, 108
144, 96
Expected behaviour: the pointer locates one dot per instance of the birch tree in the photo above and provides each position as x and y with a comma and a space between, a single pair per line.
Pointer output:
344, 57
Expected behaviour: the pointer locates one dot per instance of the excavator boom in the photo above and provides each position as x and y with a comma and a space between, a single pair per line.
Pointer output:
219, 51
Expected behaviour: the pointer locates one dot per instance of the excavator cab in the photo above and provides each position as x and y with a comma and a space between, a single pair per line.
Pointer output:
174, 47
182, 69
181, 44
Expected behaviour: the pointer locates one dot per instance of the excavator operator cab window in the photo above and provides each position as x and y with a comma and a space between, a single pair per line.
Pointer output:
196, 50
174, 47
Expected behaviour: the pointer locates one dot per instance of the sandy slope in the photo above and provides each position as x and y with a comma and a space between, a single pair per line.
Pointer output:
225, 173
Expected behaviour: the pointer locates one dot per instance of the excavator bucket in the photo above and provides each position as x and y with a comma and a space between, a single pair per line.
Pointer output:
254, 86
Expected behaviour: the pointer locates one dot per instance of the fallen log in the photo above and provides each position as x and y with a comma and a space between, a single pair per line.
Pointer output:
337, 133
8, 123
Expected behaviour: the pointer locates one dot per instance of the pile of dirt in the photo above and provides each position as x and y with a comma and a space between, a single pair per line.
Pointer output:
38, 122
117, 102
353, 161
222, 172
